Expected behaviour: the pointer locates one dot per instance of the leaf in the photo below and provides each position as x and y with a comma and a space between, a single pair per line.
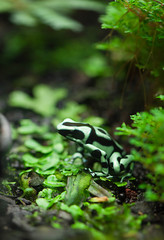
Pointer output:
29, 127
46, 193
114, 13
44, 100
76, 188
52, 13
48, 162
74, 210
161, 97
29, 160
5, 6
96, 190
34, 145
94, 120
98, 199
58, 198
20, 99
42, 203
47, 203
151, 195
95, 66
45, 165
23, 18
56, 20
75, 4
72, 110
53, 182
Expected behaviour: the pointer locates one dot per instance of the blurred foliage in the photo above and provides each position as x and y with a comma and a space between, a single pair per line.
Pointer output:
136, 39
147, 133
43, 102
31, 52
31, 47
54, 13
96, 66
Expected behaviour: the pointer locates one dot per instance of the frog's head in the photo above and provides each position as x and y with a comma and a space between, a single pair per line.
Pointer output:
72, 130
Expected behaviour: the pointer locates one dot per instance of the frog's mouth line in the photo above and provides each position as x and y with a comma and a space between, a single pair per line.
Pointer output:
64, 132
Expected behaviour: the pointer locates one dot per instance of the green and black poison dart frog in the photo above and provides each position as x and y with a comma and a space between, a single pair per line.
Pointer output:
98, 144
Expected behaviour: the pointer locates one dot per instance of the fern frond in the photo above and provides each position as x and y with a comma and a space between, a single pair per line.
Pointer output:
24, 18
54, 13
5, 6
57, 21
74, 4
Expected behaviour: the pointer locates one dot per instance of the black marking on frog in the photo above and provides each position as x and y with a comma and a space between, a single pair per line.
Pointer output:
119, 159
122, 167
96, 154
102, 131
104, 164
78, 134
103, 141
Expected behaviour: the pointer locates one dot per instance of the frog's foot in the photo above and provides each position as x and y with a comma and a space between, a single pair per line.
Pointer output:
96, 173
125, 176
76, 158
101, 174
69, 160
73, 158
77, 155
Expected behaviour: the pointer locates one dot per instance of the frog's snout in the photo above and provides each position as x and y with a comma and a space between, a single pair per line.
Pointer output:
61, 130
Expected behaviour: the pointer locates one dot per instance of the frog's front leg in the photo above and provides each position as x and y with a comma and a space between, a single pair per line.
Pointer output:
99, 155
126, 160
127, 163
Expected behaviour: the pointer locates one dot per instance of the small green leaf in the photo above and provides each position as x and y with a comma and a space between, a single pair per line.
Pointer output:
58, 198
95, 121
29, 127
20, 99
53, 182
161, 97
151, 196
120, 184
46, 193
29, 160
74, 210
34, 145
42, 203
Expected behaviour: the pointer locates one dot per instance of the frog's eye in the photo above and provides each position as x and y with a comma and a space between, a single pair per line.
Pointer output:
102, 130
78, 134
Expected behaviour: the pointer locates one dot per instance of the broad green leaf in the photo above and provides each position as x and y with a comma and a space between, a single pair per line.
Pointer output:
96, 190
76, 188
